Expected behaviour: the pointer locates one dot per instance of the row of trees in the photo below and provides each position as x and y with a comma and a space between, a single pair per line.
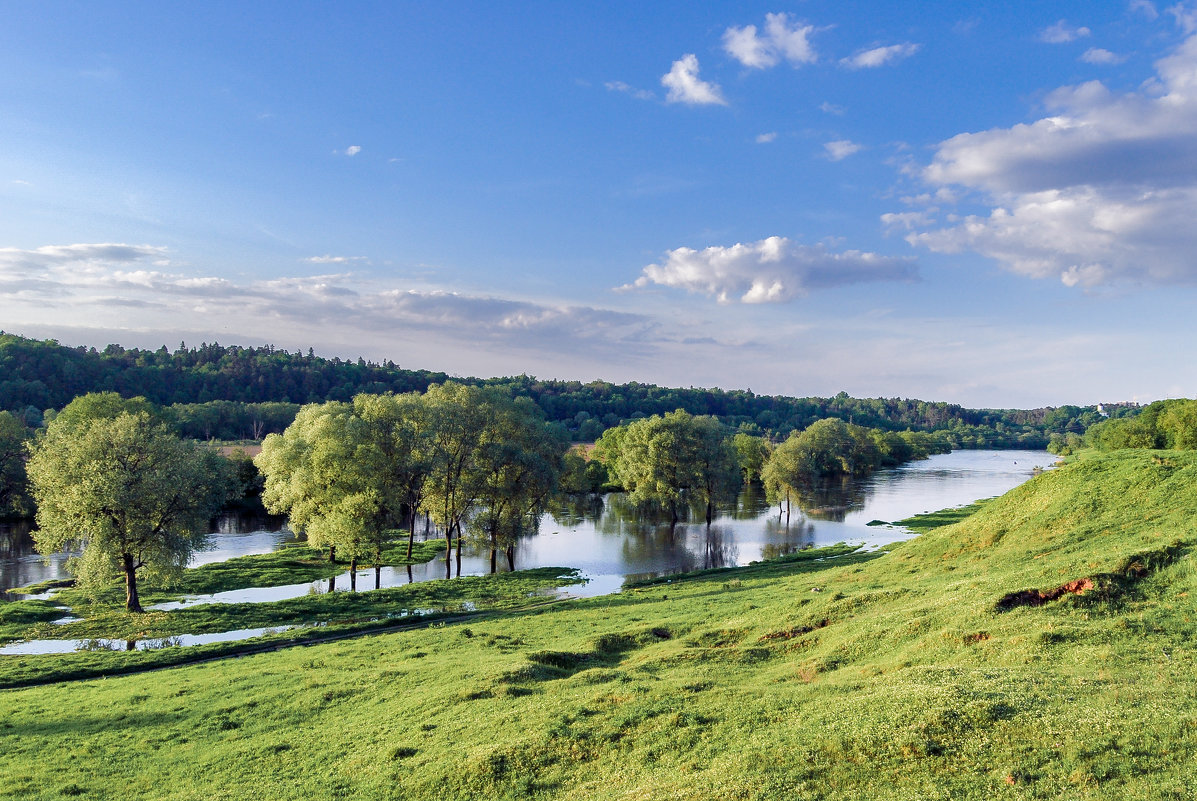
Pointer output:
1168, 424
477, 463
678, 461
833, 448
262, 388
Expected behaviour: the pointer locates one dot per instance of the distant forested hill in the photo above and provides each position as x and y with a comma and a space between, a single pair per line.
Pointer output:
232, 392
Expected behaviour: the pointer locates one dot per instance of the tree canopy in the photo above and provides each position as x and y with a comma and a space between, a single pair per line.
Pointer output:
668, 462
126, 491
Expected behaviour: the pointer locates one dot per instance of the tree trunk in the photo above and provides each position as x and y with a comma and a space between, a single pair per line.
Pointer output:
494, 554
132, 601
353, 574
511, 558
332, 583
459, 550
332, 554
378, 577
411, 533
710, 512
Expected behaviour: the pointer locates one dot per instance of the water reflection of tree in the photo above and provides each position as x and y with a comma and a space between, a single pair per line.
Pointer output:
749, 504
719, 547
573, 510
245, 523
831, 498
787, 537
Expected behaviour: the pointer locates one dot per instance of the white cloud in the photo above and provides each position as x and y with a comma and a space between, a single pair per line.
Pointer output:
831, 108
97, 284
879, 56
1102, 190
841, 149
781, 39
1186, 17
328, 259
84, 256
765, 138
685, 86
1062, 33
1098, 55
620, 86
353, 150
1146, 7
772, 270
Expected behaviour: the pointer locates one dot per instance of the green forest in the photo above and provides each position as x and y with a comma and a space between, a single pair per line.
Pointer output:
238, 393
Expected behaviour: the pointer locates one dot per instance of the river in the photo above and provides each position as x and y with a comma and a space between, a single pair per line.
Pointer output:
610, 542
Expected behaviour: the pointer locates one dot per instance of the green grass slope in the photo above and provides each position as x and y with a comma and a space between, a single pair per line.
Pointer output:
1041, 648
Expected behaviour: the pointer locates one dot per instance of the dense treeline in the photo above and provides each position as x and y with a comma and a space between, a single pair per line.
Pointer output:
1167, 424
231, 392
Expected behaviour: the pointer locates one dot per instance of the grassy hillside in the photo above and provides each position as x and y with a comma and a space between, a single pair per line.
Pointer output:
962, 664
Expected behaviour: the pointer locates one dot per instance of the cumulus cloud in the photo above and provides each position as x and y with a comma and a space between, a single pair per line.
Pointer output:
880, 56
1098, 55
1062, 33
353, 150
1101, 190
772, 270
841, 149
780, 39
766, 138
685, 86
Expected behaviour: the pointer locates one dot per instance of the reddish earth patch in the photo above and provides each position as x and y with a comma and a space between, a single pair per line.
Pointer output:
973, 639
1040, 597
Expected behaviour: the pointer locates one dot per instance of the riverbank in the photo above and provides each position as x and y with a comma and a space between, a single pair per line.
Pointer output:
1043, 647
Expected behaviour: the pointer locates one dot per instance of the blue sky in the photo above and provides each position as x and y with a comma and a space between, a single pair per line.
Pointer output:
991, 204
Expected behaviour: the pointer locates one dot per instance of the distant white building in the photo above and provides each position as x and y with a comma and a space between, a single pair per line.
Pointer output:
1104, 409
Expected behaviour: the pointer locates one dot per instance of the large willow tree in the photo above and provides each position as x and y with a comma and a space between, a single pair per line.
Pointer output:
516, 466
331, 472
672, 461
125, 491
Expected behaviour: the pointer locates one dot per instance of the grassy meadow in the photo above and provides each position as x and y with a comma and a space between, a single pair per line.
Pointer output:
1039, 646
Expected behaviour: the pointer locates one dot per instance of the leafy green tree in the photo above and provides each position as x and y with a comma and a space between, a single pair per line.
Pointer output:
330, 476
581, 474
457, 416
127, 492
102, 405
751, 453
1178, 424
516, 467
14, 498
667, 462
400, 428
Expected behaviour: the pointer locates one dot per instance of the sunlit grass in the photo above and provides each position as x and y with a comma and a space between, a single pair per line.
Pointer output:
888, 676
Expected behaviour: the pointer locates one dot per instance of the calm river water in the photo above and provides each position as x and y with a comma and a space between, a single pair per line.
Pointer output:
609, 542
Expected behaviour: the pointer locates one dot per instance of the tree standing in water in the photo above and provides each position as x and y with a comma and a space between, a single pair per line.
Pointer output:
127, 492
